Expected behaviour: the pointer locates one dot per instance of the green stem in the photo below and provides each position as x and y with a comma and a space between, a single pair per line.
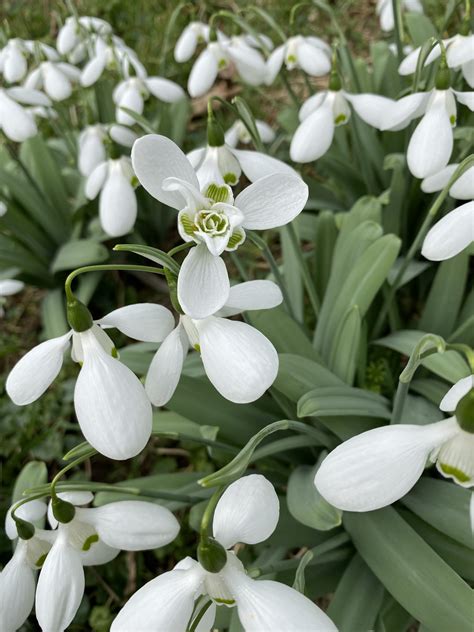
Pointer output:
176, 249
399, 401
209, 512
398, 28
465, 350
289, 89
308, 281
199, 616
68, 467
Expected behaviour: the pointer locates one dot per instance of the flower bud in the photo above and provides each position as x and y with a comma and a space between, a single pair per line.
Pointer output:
62, 510
211, 555
465, 412
78, 316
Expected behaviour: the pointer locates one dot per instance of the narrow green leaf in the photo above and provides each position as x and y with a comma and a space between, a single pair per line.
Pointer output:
420, 28
299, 583
344, 355
53, 314
297, 375
158, 256
77, 253
33, 473
340, 401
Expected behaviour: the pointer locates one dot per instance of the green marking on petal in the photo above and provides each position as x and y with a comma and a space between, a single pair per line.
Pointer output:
92, 539
219, 193
452, 119
188, 225
197, 348
134, 181
340, 118
449, 470
40, 561
291, 59
235, 240
114, 353
230, 178
227, 602
222, 64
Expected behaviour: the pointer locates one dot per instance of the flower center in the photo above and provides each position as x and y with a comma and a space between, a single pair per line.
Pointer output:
212, 222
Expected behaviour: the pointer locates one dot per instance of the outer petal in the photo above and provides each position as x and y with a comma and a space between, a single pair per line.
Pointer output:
91, 153
468, 72
462, 189
256, 165
132, 525
376, 468
122, 135
404, 110
165, 603
164, 89
203, 73
156, 158
56, 83
60, 587
31, 511
111, 404
408, 65
239, 361
466, 98
248, 512
93, 70
274, 64
268, 606
96, 180
203, 283
456, 393
99, 553
75, 498
449, 236
460, 51
431, 143
371, 108
165, 368
249, 63
272, 201
143, 321
28, 96
251, 295
36, 370
117, 204
131, 99
10, 286
313, 60
186, 44
314, 135
16, 122
17, 591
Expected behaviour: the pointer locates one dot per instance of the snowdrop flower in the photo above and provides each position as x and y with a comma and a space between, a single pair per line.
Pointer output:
16, 122
111, 404
109, 56
247, 512
384, 10
132, 93
74, 31
3, 208
56, 78
459, 54
91, 148
451, 235
462, 189
195, 33
311, 54
113, 180
13, 64
377, 467
8, 287
211, 218
94, 536
239, 361
238, 133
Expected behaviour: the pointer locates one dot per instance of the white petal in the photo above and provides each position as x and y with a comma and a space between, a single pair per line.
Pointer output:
249, 63
17, 591
274, 64
449, 236
75, 498
314, 135
371, 108
186, 44
156, 158
203, 73
98, 553
16, 122
313, 60
256, 165
468, 72
164, 603
203, 283
93, 70
67, 36
143, 321
31, 511
251, 295
10, 286
56, 83
248, 512
111, 404
269, 606
466, 98
460, 51
96, 180
431, 143
122, 135
131, 99
377, 467
267, 134
456, 459
164, 89
36, 370
91, 153
456, 393
272, 201
312, 104
196, 156
239, 361
438, 180
165, 368
401, 112
117, 204
60, 587
132, 525
408, 65
462, 189
28, 96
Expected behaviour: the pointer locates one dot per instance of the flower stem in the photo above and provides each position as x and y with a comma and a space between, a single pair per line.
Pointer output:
199, 616
209, 512
398, 28
308, 281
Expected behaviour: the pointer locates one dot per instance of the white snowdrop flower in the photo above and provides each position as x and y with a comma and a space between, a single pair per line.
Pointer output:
74, 31
459, 54
122, 135
462, 189
195, 33
111, 404
91, 148
113, 180
13, 63
377, 467
8, 287
384, 10
239, 361
247, 512
211, 218
451, 234
115, 54
238, 133
42, 112
94, 536
132, 93
260, 40
16, 121
311, 54
3, 208
55, 78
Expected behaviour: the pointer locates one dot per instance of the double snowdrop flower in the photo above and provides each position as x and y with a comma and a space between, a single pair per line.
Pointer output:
91, 144
238, 133
247, 512
110, 402
239, 361
451, 234
55, 78
8, 287
17, 122
76, 30
211, 218
384, 10
459, 54
311, 54
133, 92
380, 466
94, 536
114, 181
